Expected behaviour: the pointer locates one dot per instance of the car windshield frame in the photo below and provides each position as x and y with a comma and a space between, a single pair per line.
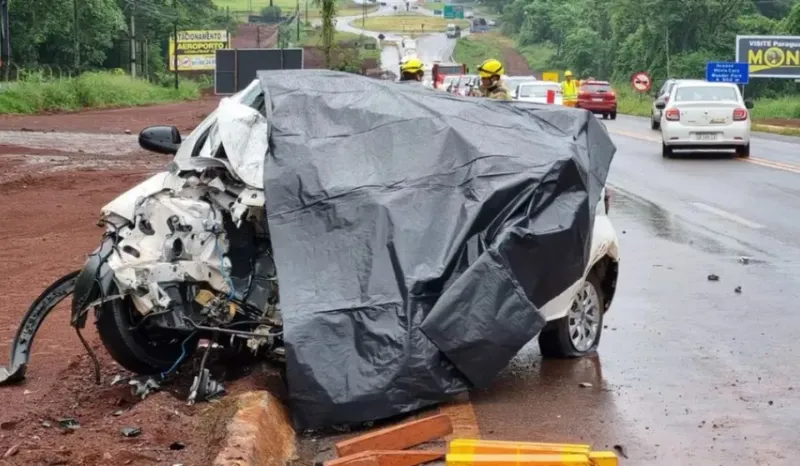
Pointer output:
695, 93
538, 85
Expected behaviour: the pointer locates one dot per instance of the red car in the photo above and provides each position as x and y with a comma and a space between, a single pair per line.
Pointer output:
598, 97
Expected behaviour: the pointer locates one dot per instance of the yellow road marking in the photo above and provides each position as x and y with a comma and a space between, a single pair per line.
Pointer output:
788, 167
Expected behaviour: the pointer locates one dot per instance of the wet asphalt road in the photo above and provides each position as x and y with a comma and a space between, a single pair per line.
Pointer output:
689, 372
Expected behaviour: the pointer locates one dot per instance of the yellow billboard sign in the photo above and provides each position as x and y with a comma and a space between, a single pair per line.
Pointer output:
197, 49
770, 56
550, 76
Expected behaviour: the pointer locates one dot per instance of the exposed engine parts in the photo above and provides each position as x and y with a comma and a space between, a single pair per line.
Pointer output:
185, 257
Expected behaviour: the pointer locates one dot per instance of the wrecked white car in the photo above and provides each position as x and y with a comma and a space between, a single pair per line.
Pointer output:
415, 254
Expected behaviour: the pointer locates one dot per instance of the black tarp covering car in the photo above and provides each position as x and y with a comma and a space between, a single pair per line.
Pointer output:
416, 234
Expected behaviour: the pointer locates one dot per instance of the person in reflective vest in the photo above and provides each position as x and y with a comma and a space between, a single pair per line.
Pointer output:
569, 90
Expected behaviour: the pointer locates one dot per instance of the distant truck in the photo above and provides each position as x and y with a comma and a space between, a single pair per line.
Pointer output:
440, 70
479, 25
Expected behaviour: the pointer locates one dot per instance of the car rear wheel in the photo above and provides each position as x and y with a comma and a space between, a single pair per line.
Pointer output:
654, 124
666, 151
743, 151
577, 334
613, 115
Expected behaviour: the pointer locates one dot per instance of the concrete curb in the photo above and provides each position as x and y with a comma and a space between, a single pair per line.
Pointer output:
260, 433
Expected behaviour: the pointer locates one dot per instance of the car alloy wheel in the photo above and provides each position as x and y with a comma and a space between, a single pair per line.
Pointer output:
584, 318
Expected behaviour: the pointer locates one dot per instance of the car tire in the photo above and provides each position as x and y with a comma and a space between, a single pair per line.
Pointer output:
654, 125
131, 348
666, 151
743, 151
605, 116
568, 337
613, 115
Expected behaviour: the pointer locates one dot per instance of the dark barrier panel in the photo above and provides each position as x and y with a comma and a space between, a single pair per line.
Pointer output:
236, 68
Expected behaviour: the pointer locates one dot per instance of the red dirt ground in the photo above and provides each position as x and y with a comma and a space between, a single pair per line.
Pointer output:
184, 115
51, 201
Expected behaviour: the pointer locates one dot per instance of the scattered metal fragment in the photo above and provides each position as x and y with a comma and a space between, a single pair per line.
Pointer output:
12, 451
131, 431
46, 424
713, 278
584, 385
738, 289
205, 388
118, 412
117, 379
744, 260
69, 423
143, 386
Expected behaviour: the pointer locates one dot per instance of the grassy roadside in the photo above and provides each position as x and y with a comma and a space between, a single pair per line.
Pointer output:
408, 23
89, 90
313, 38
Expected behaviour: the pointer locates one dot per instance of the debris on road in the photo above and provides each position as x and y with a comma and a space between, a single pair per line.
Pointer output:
584, 385
12, 451
744, 260
621, 450
713, 278
130, 431
738, 289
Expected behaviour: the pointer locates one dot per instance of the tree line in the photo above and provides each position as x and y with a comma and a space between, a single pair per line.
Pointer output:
615, 38
77, 35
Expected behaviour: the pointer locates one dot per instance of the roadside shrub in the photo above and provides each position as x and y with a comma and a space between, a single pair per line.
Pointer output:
89, 90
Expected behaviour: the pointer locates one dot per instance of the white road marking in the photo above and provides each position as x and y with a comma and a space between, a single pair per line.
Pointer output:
727, 215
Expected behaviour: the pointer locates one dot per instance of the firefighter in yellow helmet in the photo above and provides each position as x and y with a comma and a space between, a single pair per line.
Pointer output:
490, 72
569, 90
412, 70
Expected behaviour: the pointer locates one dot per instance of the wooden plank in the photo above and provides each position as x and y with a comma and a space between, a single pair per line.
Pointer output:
387, 458
358, 459
398, 437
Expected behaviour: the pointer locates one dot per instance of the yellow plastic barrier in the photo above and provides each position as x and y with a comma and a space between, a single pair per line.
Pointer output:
488, 447
470, 452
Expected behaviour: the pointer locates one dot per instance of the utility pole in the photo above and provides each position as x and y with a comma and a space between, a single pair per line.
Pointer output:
133, 39
297, 18
363, 15
175, 40
5, 45
75, 33
666, 46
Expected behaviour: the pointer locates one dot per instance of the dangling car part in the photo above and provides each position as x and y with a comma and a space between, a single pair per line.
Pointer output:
37, 313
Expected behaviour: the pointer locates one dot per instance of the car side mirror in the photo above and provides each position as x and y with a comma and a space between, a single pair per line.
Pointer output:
748, 103
160, 139
661, 105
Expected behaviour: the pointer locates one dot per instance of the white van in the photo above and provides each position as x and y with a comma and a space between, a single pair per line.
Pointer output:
453, 31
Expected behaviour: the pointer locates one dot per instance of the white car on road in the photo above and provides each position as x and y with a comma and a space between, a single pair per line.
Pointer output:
705, 116
536, 91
